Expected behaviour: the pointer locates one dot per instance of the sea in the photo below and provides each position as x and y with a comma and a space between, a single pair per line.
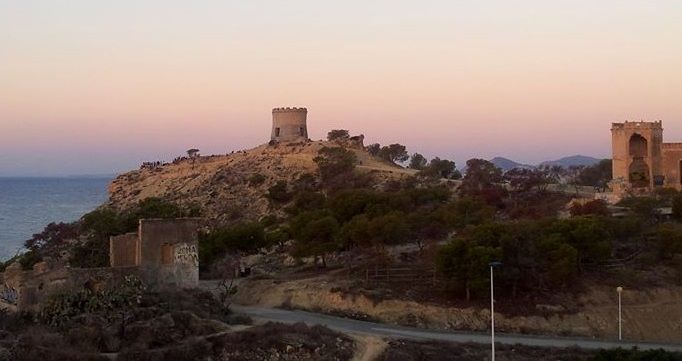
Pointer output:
27, 205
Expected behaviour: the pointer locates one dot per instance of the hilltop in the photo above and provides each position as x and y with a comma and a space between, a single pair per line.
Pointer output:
571, 161
233, 186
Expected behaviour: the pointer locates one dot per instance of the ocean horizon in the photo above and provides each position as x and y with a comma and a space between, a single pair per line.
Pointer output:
28, 204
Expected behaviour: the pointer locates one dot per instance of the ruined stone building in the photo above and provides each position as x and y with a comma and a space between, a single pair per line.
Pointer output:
289, 125
163, 253
641, 160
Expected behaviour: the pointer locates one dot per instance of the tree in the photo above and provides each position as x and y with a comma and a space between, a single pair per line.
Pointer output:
333, 161
677, 207
523, 180
466, 265
394, 153
597, 175
193, 153
315, 234
338, 134
374, 149
440, 168
481, 174
669, 240
417, 161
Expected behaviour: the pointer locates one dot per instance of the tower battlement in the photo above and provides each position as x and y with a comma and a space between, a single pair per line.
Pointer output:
289, 110
637, 125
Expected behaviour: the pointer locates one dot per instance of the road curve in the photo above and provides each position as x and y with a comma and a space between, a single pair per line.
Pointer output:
346, 325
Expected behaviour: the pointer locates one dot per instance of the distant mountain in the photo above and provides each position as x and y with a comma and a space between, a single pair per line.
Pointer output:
575, 160
508, 164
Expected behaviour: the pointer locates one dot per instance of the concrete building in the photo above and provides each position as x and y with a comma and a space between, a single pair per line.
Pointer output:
641, 160
163, 253
289, 125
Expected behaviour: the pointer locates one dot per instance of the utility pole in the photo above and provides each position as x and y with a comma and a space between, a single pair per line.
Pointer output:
492, 308
619, 289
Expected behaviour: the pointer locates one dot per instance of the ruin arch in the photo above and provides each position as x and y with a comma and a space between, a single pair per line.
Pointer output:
639, 173
639, 146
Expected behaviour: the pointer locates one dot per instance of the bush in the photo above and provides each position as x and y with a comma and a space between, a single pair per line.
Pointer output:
338, 134
595, 207
279, 193
62, 307
256, 180
28, 259
244, 237
92, 253
677, 207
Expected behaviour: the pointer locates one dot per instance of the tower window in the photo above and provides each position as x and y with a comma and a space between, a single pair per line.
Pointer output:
301, 130
276, 132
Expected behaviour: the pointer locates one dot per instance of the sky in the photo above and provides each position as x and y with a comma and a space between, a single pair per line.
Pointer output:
97, 87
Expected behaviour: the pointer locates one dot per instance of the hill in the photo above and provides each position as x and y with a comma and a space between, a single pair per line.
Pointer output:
233, 186
507, 164
575, 160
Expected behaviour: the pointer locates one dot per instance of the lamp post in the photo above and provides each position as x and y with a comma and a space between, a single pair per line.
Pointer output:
619, 289
492, 308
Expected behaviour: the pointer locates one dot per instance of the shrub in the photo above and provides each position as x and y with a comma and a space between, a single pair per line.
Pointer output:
338, 134
244, 237
62, 307
278, 192
334, 161
256, 180
596, 207
677, 207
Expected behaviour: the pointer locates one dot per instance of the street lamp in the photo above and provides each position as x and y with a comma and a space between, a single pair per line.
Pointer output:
619, 289
492, 307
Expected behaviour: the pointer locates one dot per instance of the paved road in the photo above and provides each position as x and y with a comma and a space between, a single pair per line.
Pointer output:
377, 329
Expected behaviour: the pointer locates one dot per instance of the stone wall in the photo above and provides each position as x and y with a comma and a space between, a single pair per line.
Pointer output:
169, 250
672, 164
124, 250
289, 125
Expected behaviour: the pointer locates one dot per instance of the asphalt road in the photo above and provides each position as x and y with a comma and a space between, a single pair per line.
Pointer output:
346, 325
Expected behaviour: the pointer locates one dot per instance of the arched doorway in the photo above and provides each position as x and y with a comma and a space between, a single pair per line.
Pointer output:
639, 169
638, 146
639, 173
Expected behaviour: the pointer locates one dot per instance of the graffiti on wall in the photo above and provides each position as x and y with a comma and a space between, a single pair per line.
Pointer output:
186, 254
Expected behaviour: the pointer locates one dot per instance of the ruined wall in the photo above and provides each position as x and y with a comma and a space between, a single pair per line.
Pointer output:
124, 250
289, 124
672, 165
637, 158
169, 251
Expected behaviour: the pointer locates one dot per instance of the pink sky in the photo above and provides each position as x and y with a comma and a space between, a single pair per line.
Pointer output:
88, 87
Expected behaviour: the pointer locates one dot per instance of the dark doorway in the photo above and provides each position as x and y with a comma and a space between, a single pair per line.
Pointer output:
638, 146
639, 173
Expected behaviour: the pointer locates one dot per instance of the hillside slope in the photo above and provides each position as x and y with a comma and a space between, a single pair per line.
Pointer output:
220, 185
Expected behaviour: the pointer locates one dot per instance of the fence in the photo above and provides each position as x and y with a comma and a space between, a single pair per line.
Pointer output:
408, 275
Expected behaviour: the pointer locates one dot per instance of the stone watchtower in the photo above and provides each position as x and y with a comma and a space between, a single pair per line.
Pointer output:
637, 158
289, 125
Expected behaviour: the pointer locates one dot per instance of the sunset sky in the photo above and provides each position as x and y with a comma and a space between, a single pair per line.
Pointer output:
99, 86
